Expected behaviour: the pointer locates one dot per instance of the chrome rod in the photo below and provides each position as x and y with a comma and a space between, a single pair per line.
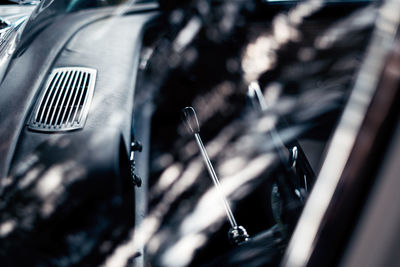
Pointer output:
214, 178
237, 234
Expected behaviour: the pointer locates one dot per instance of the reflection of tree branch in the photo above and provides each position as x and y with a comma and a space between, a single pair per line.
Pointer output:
60, 218
314, 83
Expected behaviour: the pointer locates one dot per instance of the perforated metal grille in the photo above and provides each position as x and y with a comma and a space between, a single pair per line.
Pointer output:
65, 101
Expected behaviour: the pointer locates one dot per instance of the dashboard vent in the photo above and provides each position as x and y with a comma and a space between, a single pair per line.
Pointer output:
65, 100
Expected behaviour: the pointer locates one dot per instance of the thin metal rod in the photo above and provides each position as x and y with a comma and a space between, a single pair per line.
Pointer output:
214, 177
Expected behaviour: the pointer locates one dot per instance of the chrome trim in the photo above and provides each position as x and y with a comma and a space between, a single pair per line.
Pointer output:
302, 243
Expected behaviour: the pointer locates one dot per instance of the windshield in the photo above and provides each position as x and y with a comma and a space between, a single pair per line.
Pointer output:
260, 89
